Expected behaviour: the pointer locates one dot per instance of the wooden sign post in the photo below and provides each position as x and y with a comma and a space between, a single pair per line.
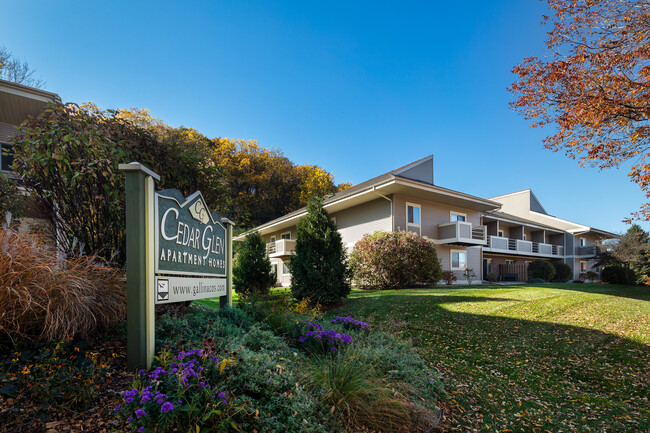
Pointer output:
176, 250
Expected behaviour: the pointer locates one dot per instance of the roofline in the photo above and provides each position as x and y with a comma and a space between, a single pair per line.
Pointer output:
411, 165
29, 92
511, 193
538, 202
530, 224
369, 189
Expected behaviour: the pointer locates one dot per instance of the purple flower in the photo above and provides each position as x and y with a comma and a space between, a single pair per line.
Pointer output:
140, 412
166, 407
129, 419
350, 322
142, 372
141, 429
222, 396
118, 407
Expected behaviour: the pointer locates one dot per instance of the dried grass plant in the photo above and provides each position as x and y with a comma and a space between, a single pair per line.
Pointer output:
43, 297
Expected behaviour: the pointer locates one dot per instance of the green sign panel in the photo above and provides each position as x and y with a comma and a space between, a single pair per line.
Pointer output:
190, 240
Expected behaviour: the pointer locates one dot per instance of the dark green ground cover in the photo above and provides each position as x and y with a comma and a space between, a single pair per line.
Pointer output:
534, 358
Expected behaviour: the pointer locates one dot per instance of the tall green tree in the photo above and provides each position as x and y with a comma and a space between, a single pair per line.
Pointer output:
632, 251
251, 273
319, 270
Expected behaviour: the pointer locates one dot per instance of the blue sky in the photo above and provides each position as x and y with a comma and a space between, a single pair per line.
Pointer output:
358, 88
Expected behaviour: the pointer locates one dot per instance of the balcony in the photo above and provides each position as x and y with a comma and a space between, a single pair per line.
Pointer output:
461, 233
587, 251
281, 248
498, 244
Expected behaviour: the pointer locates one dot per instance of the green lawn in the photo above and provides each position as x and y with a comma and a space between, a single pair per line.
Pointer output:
527, 358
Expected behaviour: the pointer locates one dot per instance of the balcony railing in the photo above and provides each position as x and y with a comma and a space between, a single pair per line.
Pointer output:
587, 251
462, 233
517, 246
283, 247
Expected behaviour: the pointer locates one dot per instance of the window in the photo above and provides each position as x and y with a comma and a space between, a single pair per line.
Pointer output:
285, 268
413, 217
458, 259
286, 235
525, 237
456, 216
272, 240
500, 233
510, 262
6, 156
583, 242
583, 266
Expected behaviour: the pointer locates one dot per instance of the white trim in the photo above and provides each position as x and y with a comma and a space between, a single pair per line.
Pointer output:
414, 225
453, 212
286, 233
451, 260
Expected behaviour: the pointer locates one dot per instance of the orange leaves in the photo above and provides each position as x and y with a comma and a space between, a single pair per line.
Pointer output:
594, 87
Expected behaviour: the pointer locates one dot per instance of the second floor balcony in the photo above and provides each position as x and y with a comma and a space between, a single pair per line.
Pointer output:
461, 233
587, 251
281, 248
497, 244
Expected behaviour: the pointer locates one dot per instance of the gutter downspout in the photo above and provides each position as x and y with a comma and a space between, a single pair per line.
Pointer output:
392, 216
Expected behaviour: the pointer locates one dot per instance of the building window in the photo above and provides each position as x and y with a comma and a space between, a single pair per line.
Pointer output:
413, 222
286, 235
583, 242
583, 266
456, 216
510, 262
285, 269
525, 237
272, 240
500, 233
6, 156
458, 260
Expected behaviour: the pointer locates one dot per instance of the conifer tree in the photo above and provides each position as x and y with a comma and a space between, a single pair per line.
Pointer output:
251, 273
319, 270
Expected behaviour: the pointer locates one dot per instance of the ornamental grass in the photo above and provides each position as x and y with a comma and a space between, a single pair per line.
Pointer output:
44, 297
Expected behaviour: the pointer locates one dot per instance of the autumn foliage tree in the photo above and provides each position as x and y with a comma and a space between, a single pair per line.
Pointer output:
593, 85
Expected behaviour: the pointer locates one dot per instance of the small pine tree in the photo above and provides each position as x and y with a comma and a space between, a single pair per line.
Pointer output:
251, 273
319, 270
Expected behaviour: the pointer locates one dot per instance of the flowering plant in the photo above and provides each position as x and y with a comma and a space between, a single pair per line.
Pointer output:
350, 323
182, 391
321, 339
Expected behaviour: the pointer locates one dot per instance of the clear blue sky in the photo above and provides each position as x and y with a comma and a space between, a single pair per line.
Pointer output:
358, 88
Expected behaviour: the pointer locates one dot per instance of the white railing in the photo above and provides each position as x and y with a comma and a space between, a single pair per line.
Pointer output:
518, 246
461, 231
283, 247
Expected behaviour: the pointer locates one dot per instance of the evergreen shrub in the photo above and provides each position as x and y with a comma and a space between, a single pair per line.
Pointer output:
251, 273
394, 260
541, 269
563, 272
319, 270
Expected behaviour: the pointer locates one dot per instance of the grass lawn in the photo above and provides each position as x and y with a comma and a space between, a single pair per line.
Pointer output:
528, 358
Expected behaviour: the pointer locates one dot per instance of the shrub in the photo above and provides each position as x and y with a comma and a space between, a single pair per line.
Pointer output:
318, 340
319, 270
614, 274
394, 260
449, 277
563, 272
541, 269
10, 198
252, 274
591, 275
68, 157
491, 278
44, 297
536, 280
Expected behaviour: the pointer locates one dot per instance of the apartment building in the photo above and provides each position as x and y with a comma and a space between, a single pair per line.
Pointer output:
17, 104
496, 236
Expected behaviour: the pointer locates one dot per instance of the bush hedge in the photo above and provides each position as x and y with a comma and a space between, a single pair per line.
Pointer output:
563, 272
394, 260
614, 274
541, 269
